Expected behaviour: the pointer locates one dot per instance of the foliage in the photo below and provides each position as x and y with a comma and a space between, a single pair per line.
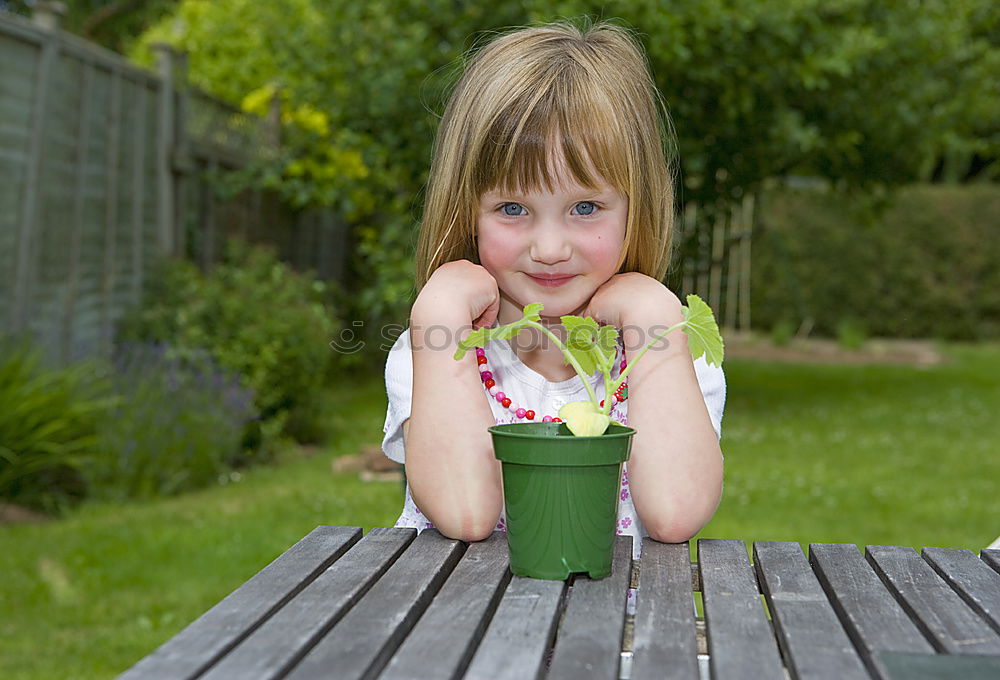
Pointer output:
926, 265
358, 131
254, 316
851, 333
864, 92
48, 426
178, 425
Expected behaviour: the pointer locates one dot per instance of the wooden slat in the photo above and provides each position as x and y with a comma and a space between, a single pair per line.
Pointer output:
872, 617
936, 609
589, 640
992, 558
814, 643
223, 626
76, 228
109, 266
519, 635
740, 641
286, 637
665, 645
138, 192
973, 580
25, 269
455, 621
366, 637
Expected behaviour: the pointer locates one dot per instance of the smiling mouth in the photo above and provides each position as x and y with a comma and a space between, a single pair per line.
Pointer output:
550, 281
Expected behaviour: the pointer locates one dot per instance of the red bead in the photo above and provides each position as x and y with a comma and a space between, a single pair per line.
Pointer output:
506, 402
530, 415
490, 382
480, 360
602, 402
557, 420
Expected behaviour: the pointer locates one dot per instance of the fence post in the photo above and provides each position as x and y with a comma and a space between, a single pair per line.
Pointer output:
183, 164
111, 216
46, 16
750, 204
164, 147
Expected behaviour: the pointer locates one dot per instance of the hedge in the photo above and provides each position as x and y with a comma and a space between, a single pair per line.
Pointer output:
924, 265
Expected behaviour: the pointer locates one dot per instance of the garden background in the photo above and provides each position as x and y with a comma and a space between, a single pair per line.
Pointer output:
204, 254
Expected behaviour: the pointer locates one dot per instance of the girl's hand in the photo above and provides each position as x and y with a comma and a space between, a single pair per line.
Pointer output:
633, 298
460, 286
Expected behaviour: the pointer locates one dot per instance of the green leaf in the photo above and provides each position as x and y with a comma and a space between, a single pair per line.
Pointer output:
591, 345
607, 340
481, 336
702, 331
581, 337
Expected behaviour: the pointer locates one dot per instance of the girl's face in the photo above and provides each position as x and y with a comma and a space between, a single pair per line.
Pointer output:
556, 248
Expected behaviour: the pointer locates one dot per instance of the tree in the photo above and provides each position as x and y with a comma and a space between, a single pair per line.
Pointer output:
863, 92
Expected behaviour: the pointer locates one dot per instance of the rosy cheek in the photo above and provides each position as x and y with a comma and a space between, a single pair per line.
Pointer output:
603, 252
495, 252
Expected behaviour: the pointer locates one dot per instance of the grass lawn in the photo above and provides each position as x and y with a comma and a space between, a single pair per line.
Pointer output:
862, 454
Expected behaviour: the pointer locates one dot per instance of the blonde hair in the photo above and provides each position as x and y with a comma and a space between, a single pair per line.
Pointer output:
587, 89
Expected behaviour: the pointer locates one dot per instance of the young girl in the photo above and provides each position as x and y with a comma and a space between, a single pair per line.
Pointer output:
549, 184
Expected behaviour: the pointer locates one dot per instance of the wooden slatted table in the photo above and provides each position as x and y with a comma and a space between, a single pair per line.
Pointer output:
394, 605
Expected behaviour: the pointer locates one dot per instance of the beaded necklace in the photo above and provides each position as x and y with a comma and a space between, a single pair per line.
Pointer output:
490, 383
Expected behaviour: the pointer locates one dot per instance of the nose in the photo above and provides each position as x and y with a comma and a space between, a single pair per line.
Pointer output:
550, 244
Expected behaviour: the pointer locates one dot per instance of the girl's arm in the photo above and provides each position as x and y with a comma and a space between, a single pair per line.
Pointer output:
453, 476
675, 469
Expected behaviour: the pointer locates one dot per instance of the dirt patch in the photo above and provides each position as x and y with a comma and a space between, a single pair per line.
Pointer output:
809, 350
16, 514
370, 464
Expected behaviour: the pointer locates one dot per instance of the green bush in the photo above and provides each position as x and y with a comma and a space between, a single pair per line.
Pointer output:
178, 425
851, 333
926, 264
254, 316
48, 427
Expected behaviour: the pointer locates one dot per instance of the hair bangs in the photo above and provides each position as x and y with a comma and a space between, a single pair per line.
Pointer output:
517, 152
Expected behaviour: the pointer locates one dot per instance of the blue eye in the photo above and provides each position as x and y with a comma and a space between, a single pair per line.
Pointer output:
512, 209
585, 208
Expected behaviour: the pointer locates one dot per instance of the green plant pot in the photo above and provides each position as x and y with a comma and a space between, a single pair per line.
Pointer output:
561, 496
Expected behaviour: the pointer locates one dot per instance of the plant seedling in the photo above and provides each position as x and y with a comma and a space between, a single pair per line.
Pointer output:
590, 347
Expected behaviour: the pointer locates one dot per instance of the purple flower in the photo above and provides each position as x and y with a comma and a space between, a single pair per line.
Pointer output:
626, 523
428, 525
624, 495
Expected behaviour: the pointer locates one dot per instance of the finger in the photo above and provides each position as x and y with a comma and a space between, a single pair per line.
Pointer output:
488, 316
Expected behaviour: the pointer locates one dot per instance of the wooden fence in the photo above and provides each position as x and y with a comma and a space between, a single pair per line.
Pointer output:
104, 170
713, 258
